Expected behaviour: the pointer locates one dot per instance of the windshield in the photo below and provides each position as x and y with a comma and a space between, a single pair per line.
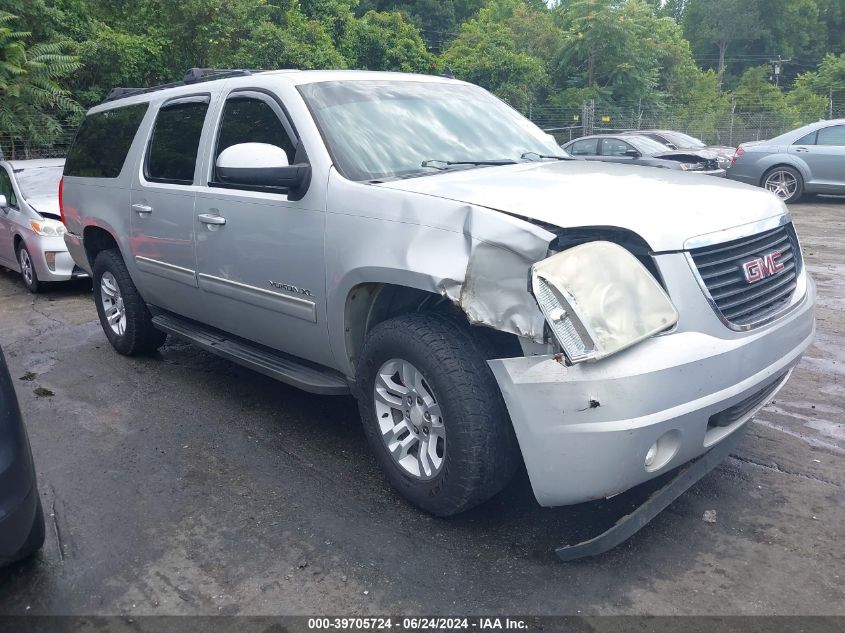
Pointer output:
378, 130
39, 182
647, 146
679, 139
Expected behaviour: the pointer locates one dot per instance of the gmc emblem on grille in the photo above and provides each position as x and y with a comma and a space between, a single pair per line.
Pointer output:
762, 267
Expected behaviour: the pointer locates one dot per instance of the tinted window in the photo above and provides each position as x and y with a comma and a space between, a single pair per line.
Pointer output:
103, 141
808, 139
248, 120
587, 147
834, 135
6, 188
176, 138
614, 147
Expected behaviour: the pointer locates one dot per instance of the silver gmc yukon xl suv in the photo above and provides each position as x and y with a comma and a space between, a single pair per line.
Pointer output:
415, 242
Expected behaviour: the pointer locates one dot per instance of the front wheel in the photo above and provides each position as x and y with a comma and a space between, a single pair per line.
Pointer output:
433, 413
123, 314
28, 274
785, 182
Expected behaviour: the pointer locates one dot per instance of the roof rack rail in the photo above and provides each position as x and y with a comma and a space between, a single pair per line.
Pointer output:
192, 75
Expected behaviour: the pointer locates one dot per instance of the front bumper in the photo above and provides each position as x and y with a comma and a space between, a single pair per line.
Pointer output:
63, 267
584, 431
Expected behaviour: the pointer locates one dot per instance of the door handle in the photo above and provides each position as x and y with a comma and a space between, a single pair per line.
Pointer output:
801, 149
142, 209
210, 218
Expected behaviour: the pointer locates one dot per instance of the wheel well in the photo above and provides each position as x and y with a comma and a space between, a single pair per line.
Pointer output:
369, 304
18, 242
96, 240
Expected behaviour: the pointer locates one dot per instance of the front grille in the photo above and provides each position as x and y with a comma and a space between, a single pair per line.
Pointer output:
738, 301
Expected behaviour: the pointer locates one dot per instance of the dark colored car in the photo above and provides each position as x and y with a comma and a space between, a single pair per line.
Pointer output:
21, 516
640, 150
679, 140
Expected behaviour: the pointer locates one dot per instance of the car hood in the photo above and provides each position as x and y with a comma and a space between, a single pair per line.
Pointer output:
44, 204
664, 207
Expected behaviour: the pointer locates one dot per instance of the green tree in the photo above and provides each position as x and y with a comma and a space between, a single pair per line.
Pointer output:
32, 101
386, 41
298, 43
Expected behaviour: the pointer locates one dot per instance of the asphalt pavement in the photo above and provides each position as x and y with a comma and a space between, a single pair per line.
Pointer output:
184, 484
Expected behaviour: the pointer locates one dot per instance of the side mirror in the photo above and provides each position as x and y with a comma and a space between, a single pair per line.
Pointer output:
632, 153
4, 203
261, 165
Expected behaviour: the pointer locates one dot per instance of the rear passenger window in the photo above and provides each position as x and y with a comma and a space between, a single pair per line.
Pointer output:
587, 147
807, 139
176, 138
249, 120
103, 141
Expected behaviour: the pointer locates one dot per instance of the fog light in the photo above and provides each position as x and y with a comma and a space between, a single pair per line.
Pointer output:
51, 260
651, 455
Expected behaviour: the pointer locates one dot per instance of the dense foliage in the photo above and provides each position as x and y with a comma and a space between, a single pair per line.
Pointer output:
691, 58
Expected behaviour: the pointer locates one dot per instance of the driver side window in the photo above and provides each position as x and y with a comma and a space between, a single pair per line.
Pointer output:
6, 188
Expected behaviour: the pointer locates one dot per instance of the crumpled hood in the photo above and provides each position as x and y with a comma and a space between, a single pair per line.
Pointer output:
663, 206
44, 204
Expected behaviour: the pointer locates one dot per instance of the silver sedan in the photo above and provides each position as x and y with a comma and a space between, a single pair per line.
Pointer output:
808, 160
31, 231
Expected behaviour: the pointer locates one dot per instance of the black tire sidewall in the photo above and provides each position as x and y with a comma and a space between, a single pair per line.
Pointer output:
459, 485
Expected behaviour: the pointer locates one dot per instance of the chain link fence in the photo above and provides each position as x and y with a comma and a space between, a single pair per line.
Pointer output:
731, 127
54, 144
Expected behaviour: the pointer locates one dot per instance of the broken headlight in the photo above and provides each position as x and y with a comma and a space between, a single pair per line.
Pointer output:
598, 299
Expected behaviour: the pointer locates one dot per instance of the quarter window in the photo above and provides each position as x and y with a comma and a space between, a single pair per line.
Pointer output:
833, 135
251, 120
103, 141
173, 149
807, 139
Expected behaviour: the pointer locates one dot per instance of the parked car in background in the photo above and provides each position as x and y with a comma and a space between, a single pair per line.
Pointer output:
641, 150
808, 160
21, 515
31, 232
679, 140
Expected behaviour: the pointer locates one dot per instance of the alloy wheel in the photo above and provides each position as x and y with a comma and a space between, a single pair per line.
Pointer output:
26, 266
113, 306
782, 183
409, 419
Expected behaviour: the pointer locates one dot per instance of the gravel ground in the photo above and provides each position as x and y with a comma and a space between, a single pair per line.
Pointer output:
184, 484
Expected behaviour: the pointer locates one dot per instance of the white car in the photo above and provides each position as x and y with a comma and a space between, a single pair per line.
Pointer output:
31, 232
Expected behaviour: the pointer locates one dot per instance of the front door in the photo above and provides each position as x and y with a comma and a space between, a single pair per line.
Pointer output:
827, 157
259, 253
7, 215
162, 208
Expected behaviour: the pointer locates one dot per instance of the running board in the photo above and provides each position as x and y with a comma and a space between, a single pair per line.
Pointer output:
256, 357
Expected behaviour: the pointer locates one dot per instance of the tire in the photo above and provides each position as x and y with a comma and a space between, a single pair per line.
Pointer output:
35, 539
132, 333
478, 453
28, 273
785, 182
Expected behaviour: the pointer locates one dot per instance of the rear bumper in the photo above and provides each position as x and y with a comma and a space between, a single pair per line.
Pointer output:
584, 431
77, 252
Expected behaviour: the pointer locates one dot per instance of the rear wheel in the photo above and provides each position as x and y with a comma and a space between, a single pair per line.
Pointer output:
28, 274
433, 413
123, 314
785, 182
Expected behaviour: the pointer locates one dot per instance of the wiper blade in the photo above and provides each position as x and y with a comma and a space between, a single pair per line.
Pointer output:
526, 155
435, 163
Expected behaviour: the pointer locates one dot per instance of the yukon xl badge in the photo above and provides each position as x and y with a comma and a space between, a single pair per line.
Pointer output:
289, 288
762, 267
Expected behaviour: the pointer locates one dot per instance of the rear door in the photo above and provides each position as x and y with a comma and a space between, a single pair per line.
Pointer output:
162, 207
260, 255
827, 158
613, 150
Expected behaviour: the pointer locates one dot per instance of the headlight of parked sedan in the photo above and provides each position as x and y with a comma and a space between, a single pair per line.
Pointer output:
47, 227
691, 166
598, 299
